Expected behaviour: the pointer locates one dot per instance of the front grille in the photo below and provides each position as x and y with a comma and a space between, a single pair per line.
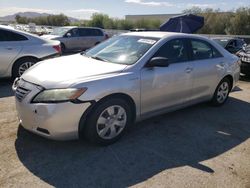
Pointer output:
21, 93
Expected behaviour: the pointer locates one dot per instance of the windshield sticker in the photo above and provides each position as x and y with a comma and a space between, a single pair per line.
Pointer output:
146, 41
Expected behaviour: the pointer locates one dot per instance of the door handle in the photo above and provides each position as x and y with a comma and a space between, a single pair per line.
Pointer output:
188, 70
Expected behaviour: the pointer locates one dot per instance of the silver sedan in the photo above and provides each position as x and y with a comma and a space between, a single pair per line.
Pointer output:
20, 50
127, 78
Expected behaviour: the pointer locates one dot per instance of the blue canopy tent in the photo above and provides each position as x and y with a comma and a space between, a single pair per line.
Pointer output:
187, 23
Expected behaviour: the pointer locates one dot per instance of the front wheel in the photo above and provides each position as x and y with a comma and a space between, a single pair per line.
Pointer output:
108, 121
221, 93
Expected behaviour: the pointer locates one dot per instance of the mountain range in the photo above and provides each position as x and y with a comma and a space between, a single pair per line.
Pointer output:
11, 18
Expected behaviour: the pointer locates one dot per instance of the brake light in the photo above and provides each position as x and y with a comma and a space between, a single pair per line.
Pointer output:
57, 48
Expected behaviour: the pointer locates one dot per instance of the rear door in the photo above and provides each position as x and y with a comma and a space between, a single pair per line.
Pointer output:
10, 46
94, 37
208, 65
84, 39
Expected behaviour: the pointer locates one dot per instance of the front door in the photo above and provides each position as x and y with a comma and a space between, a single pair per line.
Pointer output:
163, 87
72, 41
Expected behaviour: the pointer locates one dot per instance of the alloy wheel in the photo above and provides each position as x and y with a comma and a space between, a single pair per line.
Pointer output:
24, 66
222, 92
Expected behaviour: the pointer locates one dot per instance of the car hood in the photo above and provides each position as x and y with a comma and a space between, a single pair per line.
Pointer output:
68, 70
50, 37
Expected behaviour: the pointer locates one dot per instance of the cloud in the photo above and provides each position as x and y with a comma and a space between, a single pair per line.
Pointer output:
86, 10
202, 5
150, 3
178, 5
12, 10
78, 13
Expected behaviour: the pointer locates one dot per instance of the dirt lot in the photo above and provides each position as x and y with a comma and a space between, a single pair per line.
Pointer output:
200, 146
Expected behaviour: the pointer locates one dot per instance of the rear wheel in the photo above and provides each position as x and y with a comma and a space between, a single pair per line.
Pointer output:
221, 93
63, 48
22, 65
108, 121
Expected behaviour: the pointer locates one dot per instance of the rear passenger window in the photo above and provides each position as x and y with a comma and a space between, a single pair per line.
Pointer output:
95, 32
90, 32
175, 51
11, 36
83, 32
203, 50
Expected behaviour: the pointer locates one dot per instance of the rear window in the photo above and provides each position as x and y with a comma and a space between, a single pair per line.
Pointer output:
222, 42
90, 32
11, 36
203, 50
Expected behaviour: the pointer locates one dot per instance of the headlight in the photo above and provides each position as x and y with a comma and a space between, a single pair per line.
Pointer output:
58, 95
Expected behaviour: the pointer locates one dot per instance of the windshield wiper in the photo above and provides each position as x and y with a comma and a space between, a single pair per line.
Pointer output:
98, 58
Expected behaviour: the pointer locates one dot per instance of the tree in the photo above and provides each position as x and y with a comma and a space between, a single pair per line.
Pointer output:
53, 20
240, 22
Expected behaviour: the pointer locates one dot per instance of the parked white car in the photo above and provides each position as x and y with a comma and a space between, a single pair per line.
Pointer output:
127, 78
20, 50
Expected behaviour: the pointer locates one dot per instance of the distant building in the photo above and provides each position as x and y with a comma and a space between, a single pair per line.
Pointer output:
161, 17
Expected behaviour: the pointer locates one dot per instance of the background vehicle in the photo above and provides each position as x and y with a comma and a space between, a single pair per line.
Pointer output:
233, 45
244, 55
20, 50
77, 38
124, 79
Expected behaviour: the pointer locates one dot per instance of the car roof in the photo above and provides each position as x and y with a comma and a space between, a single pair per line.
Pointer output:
29, 35
71, 27
162, 34
7, 27
67, 27
225, 38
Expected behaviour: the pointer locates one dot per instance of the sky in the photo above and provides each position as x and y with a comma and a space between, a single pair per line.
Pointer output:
83, 9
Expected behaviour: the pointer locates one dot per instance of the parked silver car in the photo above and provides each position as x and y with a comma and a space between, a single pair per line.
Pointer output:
20, 50
125, 79
77, 38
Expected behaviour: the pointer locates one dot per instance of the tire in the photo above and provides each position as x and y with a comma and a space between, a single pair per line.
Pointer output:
22, 65
97, 43
221, 93
63, 48
102, 127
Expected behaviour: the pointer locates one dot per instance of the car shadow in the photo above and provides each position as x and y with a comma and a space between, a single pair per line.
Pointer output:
6, 88
184, 137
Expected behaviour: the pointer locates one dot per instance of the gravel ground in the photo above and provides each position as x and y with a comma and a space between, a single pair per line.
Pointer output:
200, 146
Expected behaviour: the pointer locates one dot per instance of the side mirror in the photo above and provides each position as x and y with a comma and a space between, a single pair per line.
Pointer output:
158, 62
68, 35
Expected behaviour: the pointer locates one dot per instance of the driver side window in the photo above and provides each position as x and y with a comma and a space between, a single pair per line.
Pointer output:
74, 32
174, 50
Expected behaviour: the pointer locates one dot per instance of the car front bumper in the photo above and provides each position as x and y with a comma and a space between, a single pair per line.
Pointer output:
53, 121
58, 121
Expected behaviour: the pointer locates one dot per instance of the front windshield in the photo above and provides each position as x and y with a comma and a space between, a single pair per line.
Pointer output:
122, 49
222, 42
60, 31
